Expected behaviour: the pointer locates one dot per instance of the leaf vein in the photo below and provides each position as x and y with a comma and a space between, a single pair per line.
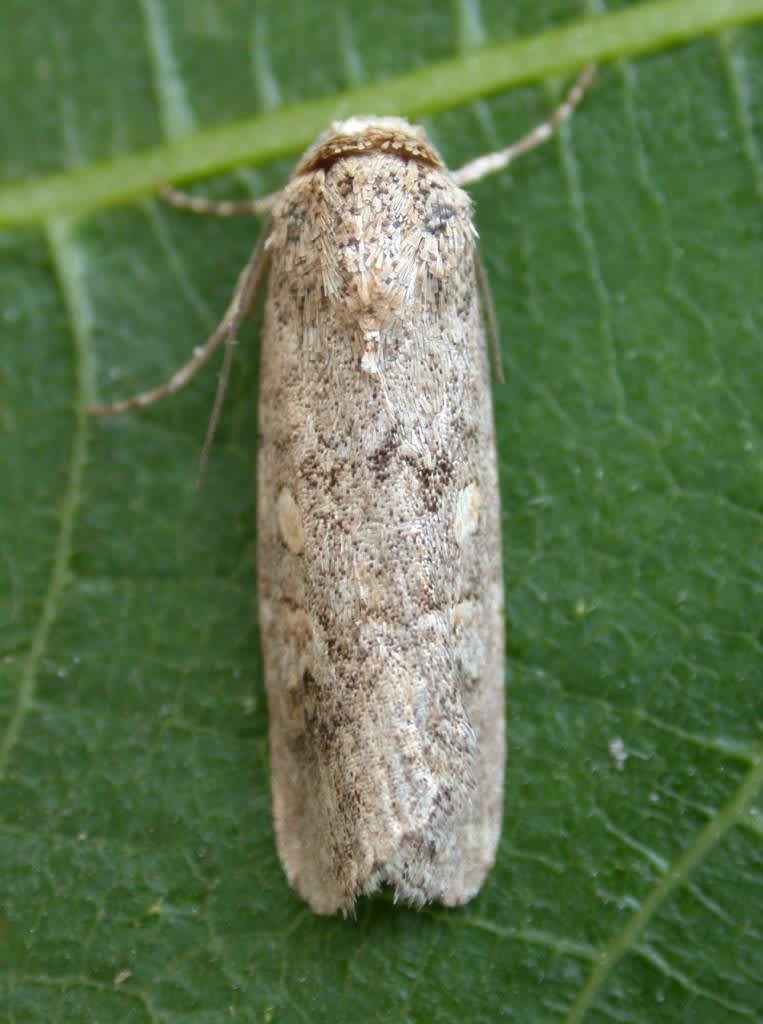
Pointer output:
625, 941
67, 261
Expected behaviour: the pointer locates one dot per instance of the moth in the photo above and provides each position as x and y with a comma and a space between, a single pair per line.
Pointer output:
380, 584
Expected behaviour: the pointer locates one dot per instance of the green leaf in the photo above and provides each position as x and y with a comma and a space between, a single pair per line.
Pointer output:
625, 259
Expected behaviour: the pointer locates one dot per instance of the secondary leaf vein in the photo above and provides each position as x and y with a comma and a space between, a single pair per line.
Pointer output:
67, 264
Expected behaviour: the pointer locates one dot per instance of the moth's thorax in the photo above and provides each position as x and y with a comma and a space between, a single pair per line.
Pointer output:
369, 134
372, 221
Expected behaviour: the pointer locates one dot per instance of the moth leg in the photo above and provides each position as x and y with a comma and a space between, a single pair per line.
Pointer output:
489, 163
490, 315
216, 208
248, 288
243, 299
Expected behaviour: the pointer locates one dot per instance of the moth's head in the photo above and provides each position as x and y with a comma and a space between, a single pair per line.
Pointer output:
368, 134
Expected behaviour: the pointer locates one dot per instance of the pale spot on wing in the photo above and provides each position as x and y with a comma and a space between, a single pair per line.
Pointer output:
290, 522
467, 517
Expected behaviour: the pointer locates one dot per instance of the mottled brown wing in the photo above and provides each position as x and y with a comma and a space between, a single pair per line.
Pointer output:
379, 559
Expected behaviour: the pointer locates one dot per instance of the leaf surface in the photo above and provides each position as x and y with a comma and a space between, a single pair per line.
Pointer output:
625, 260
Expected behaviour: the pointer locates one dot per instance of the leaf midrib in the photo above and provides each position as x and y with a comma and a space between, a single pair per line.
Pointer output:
436, 87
